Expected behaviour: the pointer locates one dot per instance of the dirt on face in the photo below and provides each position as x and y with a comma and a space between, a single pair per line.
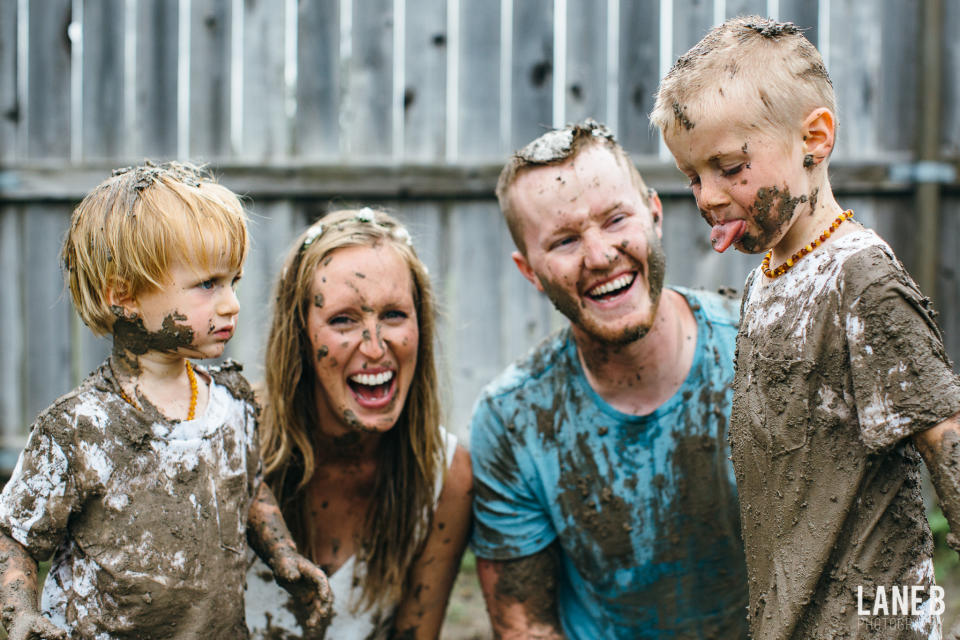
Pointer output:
772, 210
132, 339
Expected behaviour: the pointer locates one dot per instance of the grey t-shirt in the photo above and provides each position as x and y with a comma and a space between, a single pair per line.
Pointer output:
838, 361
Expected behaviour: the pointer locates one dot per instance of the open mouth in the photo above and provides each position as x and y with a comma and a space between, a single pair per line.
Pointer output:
612, 288
372, 389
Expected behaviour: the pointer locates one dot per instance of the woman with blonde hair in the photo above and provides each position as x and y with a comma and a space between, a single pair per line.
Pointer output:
373, 489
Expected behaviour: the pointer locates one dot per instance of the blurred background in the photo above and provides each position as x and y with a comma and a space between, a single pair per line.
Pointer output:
414, 105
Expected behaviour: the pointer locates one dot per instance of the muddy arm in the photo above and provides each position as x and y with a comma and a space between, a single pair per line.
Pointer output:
521, 595
421, 611
18, 595
271, 540
940, 448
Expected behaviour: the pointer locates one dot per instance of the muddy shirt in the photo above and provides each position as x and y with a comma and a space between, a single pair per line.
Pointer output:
644, 508
145, 518
273, 614
838, 361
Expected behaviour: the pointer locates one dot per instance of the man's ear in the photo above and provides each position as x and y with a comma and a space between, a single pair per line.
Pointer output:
656, 211
819, 131
119, 295
526, 270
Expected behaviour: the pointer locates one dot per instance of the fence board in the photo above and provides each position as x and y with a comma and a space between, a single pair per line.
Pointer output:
425, 90
746, 8
639, 75
804, 14
47, 310
479, 60
12, 426
532, 73
317, 124
102, 127
265, 132
10, 115
950, 116
155, 119
691, 21
947, 298
210, 57
586, 84
898, 78
366, 106
48, 94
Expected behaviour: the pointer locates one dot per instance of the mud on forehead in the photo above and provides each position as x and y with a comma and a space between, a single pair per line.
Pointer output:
558, 145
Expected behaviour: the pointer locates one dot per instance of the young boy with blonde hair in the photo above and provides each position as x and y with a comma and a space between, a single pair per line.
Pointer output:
841, 372
144, 482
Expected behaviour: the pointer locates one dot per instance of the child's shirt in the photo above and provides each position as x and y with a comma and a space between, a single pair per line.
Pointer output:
145, 517
838, 362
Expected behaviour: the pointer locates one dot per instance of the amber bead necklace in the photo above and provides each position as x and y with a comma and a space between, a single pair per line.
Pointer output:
191, 412
792, 260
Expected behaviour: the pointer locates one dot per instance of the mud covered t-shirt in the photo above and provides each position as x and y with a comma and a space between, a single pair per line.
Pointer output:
643, 508
145, 517
838, 361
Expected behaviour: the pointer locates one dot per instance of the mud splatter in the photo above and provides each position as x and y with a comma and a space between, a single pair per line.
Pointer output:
132, 339
318, 301
532, 581
772, 209
679, 112
808, 161
322, 352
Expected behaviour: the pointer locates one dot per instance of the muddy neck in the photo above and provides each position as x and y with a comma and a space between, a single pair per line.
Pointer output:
149, 366
808, 225
638, 377
349, 448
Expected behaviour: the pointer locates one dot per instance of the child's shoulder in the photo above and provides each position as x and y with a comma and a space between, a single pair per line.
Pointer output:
229, 375
90, 399
865, 259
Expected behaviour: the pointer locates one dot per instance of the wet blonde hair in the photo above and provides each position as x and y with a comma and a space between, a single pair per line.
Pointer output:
128, 231
411, 454
769, 68
552, 148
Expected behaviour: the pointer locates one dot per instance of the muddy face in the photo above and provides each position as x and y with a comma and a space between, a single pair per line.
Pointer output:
773, 211
131, 338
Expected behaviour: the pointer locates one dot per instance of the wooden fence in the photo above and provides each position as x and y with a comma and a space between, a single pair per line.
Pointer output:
414, 104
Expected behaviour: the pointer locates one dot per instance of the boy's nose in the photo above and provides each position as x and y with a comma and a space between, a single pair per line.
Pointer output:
711, 195
228, 303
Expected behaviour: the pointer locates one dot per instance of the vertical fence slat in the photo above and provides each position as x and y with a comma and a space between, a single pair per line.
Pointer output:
804, 14
899, 76
264, 130
10, 108
479, 99
157, 53
532, 72
691, 21
104, 134
425, 91
586, 85
948, 291
950, 135
748, 7
366, 108
12, 416
209, 79
639, 74
317, 124
46, 308
48, 120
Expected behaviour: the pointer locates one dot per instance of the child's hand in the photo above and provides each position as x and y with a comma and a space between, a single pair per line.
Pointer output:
33, 626
308, 584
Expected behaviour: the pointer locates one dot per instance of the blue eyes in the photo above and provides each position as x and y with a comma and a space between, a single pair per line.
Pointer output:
207, 284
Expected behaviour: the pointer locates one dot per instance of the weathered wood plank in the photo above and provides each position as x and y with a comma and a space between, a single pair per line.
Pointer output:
532, 73
10, 107
746, 8
13, 420
691, 21
47, 108
425, 88
585, 88
804, 14
950, 135
265, 133
898, 77
639, 76
947, 297
104, 131
479, 96
316, 123
155, 120
210, 55
366, 106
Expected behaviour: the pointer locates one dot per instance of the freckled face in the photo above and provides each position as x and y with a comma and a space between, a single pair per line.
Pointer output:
363, 333
593, 244
736, 173
194, 314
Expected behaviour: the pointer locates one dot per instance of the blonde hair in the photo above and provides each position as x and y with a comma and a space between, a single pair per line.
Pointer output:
128, 231
411, 454
767, 67
552, 148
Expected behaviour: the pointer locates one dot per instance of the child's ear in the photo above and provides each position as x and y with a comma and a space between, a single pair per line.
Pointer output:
119, 296
819, 128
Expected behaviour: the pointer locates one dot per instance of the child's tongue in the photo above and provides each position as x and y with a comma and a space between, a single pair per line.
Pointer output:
725, 234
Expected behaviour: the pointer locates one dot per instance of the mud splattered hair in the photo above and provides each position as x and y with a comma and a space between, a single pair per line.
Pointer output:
411, 454
768, 67
128, 231
556, 147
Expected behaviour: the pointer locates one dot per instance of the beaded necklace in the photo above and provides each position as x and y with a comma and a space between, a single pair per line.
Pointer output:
792, 260
191, 376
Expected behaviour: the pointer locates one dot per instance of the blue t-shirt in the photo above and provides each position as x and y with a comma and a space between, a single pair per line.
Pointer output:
643, 508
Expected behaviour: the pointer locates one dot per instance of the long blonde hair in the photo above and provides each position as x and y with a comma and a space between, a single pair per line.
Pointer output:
410, 455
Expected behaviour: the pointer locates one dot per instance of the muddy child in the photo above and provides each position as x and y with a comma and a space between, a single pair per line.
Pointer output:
143, 483
842, 383
605, 503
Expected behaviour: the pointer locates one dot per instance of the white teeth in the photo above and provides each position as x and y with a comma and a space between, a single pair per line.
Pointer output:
371, 379
613, 285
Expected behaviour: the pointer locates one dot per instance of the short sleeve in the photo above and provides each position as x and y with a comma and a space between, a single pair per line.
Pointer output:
37, 501
902, 379
509, 519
